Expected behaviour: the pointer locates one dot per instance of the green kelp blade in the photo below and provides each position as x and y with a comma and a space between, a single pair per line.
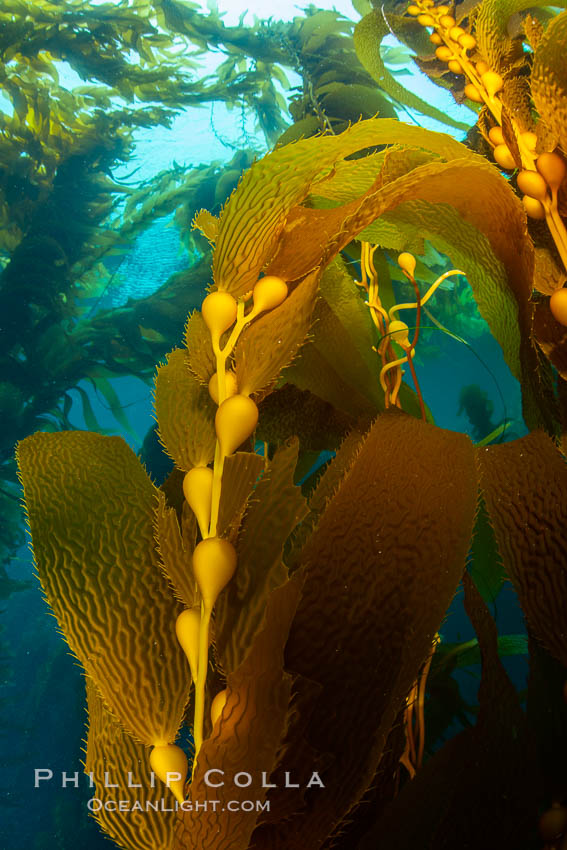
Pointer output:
492, 762
483, 199
348, 101
277, 508
115, 406
289, 410
91, 509
334, 342
485, 565
368, 35
467, 654
380, 571
185, 414
313, 372
325, 489
390, 131
524, 485
338, 364
245, 738
113, 755
494, 436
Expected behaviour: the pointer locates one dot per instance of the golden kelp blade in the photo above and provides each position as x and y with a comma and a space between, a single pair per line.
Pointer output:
491, 30
200, 356
245, 738
185, 413
256, 212
380, 571
111, 750
549, 78
208, 224
525, 487
278, 335
175, 552
240, 473
277, 508
91, 507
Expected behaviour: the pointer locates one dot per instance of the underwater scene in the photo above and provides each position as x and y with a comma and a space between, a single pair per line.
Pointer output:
283, 394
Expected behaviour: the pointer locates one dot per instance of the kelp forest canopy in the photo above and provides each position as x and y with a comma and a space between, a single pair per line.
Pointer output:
296, 524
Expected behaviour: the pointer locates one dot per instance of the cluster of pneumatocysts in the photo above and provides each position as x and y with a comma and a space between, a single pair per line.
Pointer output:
453, 44
215, 559
540, 175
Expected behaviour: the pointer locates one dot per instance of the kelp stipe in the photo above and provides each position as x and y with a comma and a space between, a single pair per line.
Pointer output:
315, 600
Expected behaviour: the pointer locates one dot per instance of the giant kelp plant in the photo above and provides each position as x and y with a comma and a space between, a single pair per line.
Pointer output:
288, 614
63, 219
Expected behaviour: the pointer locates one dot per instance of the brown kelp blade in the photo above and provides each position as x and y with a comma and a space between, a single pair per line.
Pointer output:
244, 740
91, 507
493, 763
525, 490
274, 512
380, 571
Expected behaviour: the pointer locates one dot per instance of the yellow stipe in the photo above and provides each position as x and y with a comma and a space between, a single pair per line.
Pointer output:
187, 630
214, 563
201, 681
427, 295
396, 389
387, 367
